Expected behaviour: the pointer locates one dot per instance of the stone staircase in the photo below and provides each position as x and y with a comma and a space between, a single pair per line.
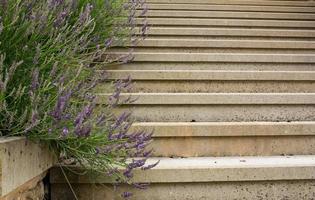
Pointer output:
229, 88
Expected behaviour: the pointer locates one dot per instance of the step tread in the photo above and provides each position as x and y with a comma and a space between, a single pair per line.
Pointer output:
221, 57
216, 98
229, 14
226, 129
256, 44
236, 2
228, 22
234, 162
214, 169
211, 75
257, 8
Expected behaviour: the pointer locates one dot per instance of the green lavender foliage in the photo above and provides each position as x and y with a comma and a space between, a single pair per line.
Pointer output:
49, 53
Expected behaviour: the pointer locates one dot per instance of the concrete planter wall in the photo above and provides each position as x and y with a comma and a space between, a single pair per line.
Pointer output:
23, 165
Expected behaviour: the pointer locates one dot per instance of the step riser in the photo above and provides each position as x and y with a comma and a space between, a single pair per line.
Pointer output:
196, 99
227, 23
234, 2
214, 66
231, 8
221, 86
221, 113
234, 44
216, 75
224, 15
230, 32
233, 146
215, 58
228, 50
194, 191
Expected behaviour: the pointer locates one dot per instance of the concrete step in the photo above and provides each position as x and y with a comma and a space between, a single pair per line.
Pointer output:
256, 8
210, 50
230, 32
188, 86
236, 2
228, 23
218, 107
217, 98
213, 66
230, 138
229, 14
218, 81
220, 113
221, 57
213, 75
212, 178
238, 44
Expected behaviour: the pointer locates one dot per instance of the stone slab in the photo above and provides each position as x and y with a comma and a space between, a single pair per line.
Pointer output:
226, 129
216, 98
237, 2
228, 22
221, 57
206, 43
212, 75
214, 169
213, 66
231, 31
208, 86
229, 14
260, 190
260, 8
21, 160
219, 113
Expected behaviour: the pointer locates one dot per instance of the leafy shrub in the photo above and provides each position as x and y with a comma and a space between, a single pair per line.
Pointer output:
50, 50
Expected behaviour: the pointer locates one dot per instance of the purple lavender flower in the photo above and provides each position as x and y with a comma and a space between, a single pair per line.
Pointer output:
141, 186
150, 166
83, 130
100, 120
35, 80
60, 18
1, 25
65, 132
86, 14
61, 104
108, 42
126, 195
144, 11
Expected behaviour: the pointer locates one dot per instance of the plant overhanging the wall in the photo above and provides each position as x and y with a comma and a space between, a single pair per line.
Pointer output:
50, 51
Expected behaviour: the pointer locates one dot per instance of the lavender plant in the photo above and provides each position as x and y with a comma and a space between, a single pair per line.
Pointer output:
49, 53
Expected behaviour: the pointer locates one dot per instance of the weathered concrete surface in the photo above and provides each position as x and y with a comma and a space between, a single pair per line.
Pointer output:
209, 50
251, 44
31, 190
261, 190
229, 22
214, 66
225, 75
171, 6
213, 169
231, 31
179, 86
237, 2
270, 45
222, 57
216, 98
233, 146
231, 139
21, 161
228, 14
221, 113
226, 129
208, 178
